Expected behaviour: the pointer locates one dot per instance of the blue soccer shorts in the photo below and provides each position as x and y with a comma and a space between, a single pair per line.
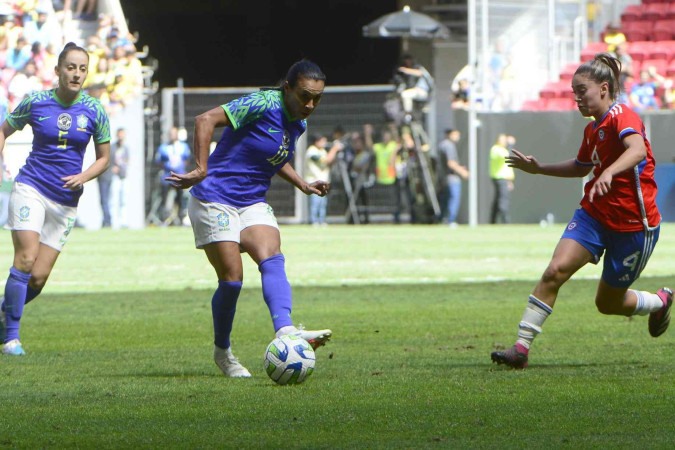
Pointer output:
626, 253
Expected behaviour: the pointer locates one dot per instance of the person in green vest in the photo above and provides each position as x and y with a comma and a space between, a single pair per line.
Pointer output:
502, 178
386, 148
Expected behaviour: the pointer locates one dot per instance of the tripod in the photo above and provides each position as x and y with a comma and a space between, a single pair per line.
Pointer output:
352, 209
424, 199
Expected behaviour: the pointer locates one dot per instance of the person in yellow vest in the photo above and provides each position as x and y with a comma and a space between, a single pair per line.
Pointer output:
386, 149
502, 178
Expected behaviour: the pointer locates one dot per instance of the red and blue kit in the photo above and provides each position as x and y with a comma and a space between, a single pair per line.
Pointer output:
630, 205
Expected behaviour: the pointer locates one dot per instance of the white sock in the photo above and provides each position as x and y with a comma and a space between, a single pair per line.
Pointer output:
646, 303
533, 319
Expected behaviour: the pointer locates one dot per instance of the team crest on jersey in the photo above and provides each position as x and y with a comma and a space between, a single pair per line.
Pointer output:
282, 153
82, 122
64, 121
572, 225
601, 134
223, 221
24, 213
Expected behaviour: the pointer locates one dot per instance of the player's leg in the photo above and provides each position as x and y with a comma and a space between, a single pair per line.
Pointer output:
627, 255
581, 243
216, 231
261, 239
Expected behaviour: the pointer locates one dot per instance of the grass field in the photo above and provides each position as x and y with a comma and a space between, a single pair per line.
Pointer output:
119, 348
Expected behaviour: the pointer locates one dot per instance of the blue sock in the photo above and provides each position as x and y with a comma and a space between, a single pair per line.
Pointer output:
31, 293
223, 307
276, 290
15, 297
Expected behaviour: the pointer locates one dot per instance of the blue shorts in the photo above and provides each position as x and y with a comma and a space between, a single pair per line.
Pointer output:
627, 253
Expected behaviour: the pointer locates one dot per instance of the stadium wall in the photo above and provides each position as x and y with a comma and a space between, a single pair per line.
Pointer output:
551, 136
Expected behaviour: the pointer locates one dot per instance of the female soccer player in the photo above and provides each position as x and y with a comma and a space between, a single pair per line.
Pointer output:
227, 206
45, 194
618, 214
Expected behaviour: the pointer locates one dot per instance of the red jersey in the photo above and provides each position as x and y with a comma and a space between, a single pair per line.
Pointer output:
632, 197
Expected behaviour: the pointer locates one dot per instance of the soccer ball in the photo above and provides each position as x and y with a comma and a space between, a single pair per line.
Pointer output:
289, 359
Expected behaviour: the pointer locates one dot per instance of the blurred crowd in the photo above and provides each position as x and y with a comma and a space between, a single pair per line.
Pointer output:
33, 33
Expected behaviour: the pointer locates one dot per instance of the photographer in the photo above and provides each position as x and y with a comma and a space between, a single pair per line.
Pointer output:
413, 82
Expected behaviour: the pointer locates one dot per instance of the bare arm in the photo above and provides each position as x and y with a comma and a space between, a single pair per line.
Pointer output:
205, 124
288, 173
458, 169
529, 164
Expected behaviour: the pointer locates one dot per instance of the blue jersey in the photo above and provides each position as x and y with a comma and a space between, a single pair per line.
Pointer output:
260, 141
61, 134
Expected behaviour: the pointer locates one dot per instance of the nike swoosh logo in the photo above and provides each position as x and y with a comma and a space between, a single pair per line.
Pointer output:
41, 118
272, 130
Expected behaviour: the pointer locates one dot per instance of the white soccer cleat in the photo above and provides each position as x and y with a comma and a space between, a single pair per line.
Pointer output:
316, 338
13, 348
229, 364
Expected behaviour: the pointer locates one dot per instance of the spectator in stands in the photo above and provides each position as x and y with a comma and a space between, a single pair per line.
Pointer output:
643, 94
318, 163
173, 156
619, 218
502, 178
44, 29
48, 187
496, 65
18, 55
454, 174
613, 36
228, 208
621, 53
85, 10
24, 83
460, 97
413, 83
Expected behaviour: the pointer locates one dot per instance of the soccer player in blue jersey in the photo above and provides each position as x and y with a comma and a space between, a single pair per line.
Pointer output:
228, 208
45, 194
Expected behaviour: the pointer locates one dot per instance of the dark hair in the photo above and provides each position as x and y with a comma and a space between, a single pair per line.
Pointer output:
603, 67
300, 69
69, 47
449, 130
304, 69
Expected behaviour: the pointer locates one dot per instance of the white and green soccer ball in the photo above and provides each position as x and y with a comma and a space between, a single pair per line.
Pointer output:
289, 359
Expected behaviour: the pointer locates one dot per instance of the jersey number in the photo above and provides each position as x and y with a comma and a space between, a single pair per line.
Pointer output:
63, 142
595, 158
631, 261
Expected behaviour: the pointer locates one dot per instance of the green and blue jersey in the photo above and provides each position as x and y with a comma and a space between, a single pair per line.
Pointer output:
260, 141
61, 133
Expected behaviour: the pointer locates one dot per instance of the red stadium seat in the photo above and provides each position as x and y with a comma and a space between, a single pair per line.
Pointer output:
640, 30
560, 104
533, 105
567, 73
655, 11
671, 11
659, 51
631, 13
670, 70
638, 50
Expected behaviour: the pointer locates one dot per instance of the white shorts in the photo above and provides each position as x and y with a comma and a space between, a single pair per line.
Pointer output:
31, 211
215, 222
